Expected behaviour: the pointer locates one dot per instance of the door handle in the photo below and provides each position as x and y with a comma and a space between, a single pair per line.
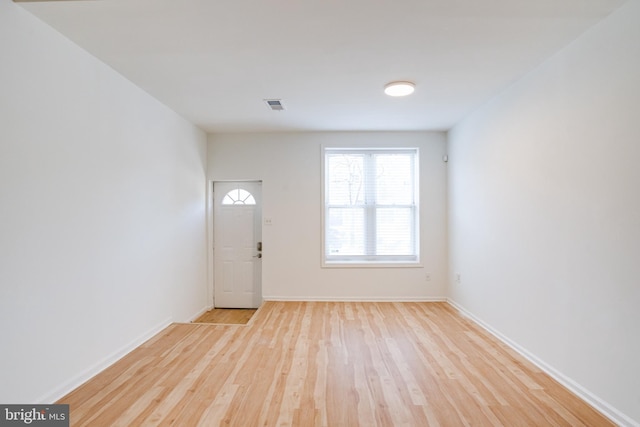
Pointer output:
258, 256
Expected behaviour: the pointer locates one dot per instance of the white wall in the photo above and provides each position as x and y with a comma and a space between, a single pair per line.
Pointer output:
289, 164
544, 190
102, 213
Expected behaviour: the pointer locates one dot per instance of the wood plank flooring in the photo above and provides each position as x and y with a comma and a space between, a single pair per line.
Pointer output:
227, 316
328, 364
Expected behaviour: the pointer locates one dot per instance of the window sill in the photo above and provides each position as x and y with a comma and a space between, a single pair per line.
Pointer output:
360, 264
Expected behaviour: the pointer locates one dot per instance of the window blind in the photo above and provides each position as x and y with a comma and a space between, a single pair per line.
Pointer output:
371, 206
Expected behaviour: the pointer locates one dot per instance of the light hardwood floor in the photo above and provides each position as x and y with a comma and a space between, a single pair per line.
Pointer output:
328, 364
228, 316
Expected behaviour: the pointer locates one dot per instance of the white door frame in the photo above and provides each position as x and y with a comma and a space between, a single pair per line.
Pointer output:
210, 237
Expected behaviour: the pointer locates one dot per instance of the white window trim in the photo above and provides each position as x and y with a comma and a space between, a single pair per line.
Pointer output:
325, 263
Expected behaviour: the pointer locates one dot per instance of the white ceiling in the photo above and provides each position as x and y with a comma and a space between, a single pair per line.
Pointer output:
214, 62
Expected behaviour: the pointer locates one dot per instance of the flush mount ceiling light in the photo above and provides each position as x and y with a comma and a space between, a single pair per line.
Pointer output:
399, 88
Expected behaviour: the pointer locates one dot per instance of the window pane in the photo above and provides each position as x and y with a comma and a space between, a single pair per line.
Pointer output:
345, 231
238, 196
370, 201
345, 173
395, 231
394, 173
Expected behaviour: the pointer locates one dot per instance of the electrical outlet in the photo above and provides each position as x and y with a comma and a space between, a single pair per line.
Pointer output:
458, 278
427, 277
268, 221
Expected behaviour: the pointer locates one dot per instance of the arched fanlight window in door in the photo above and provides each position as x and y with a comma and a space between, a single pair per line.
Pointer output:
238, 196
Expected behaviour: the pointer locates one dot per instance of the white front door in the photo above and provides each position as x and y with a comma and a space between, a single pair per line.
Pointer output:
237, 230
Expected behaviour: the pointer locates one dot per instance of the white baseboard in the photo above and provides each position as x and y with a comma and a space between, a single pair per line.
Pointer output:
94, 370
355, 299
606, 409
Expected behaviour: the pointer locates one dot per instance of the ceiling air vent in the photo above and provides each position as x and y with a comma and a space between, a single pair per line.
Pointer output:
274, 104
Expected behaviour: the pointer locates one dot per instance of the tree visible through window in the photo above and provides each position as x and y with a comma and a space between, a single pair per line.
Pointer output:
371, 209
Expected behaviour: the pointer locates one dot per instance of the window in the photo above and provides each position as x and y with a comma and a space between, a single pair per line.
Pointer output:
371, 206
238, 196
